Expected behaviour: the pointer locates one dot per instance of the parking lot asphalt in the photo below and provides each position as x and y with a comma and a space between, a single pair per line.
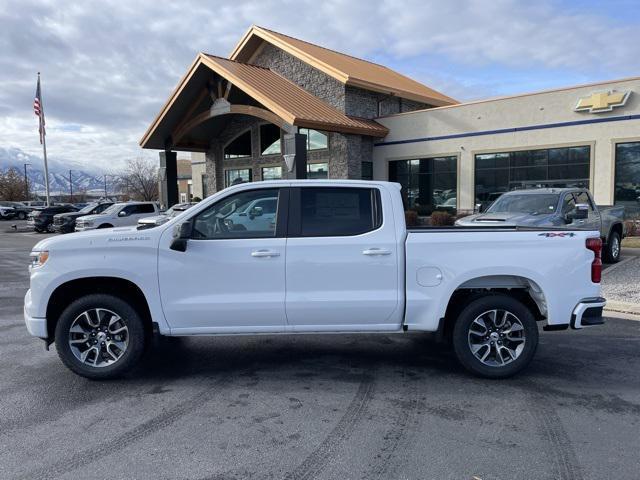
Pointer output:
316, 407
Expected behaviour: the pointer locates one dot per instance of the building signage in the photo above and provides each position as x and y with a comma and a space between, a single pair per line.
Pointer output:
602, 101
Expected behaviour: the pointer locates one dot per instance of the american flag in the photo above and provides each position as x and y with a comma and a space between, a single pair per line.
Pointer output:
37, 109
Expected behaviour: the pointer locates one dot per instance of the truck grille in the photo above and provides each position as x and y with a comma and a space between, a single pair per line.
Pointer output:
57, 221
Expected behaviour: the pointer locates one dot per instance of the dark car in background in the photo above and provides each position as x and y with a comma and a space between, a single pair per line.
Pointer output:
16, 210
555, 207
42, 220
66, 222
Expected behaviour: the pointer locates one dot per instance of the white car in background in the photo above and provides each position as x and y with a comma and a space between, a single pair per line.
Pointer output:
164, 217
258, 214
118, 215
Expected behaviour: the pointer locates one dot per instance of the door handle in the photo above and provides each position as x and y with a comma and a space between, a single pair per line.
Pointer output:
264, 253
376, 251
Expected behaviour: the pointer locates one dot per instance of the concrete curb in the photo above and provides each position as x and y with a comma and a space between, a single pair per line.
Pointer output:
623, 307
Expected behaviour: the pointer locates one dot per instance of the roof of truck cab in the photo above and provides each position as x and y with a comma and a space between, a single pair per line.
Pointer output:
540, 191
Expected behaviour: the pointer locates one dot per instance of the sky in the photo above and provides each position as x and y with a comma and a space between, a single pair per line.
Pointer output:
109, 66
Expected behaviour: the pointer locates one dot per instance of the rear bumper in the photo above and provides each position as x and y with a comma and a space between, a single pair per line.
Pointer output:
588, 313
35, 326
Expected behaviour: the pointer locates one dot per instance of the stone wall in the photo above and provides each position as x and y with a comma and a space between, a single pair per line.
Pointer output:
311, 79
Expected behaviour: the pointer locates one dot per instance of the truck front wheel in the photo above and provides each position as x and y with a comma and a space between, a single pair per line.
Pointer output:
100, 337
495, 336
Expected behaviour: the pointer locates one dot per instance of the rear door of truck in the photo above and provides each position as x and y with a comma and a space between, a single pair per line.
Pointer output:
342, 266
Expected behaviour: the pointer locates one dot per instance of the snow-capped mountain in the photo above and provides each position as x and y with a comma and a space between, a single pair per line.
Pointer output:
58, 172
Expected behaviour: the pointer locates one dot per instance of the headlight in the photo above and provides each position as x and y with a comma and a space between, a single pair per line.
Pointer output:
38, 259
87, 223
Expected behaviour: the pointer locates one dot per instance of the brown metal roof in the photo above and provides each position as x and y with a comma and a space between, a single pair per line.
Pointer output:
345, 68
287, 100
292, 104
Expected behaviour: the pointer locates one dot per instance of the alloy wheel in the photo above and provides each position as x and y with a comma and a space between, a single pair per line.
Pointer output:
496, 337
98, 337
615, 246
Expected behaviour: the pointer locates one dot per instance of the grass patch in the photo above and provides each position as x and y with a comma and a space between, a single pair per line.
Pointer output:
631, 242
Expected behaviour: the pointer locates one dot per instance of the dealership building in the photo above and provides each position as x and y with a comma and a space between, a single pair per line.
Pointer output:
279, 107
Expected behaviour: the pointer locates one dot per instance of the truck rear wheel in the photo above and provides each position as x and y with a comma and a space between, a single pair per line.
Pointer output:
612, 248
495, 336
100, 337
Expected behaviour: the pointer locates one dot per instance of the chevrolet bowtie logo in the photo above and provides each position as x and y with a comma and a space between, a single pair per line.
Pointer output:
604, 101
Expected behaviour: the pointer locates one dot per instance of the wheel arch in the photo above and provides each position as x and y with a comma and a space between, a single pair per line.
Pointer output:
71, 290
616, 227
523, 289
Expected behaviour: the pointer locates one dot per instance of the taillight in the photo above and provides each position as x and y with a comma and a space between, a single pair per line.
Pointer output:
595, 245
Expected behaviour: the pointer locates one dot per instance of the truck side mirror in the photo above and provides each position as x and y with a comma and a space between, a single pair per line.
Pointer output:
581, 211
181, 235
255, 212
122, 213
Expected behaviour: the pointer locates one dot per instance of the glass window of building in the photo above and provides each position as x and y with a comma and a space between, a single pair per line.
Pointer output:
271, 173
270, 139
497, 173
236, 176
315, 140
428, 184
627, 189
317, 171
367, 170
240, 147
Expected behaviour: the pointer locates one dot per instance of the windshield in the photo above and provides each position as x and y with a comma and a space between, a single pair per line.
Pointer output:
532, 203
88, 208
112, 209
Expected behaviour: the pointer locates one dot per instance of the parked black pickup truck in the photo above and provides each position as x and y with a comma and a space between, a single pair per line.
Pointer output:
42, 220
66, 222
555, 207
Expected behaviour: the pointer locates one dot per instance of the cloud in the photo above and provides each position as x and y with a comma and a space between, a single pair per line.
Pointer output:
108, 66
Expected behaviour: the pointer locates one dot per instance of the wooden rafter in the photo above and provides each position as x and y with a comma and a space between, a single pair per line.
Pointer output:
237, 109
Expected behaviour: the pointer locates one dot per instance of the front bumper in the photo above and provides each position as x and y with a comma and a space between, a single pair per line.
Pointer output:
63, 228
35, 326
588, 313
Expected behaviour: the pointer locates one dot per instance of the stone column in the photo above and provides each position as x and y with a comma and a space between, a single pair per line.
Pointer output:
214, 167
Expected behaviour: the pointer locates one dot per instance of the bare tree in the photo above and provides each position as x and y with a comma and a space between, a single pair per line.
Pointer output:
139, 180
11, 185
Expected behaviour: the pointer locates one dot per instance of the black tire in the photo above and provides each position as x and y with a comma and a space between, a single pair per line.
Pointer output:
22, 216
106, 225
136, 336
611, 251
462, 343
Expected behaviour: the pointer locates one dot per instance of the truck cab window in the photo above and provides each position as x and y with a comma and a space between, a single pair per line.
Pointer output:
338, 211
250, 214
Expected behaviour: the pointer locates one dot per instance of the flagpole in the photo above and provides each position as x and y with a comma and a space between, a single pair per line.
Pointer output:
44, 148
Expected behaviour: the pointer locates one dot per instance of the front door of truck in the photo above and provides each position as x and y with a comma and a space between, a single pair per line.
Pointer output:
342, 260
232, 275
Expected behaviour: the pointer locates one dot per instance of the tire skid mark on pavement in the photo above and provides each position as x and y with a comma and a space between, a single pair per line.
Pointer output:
140, 432
315, 463
560, 449
405, 412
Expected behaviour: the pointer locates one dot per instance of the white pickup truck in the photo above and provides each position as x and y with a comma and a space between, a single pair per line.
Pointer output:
338, 258
117, 215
